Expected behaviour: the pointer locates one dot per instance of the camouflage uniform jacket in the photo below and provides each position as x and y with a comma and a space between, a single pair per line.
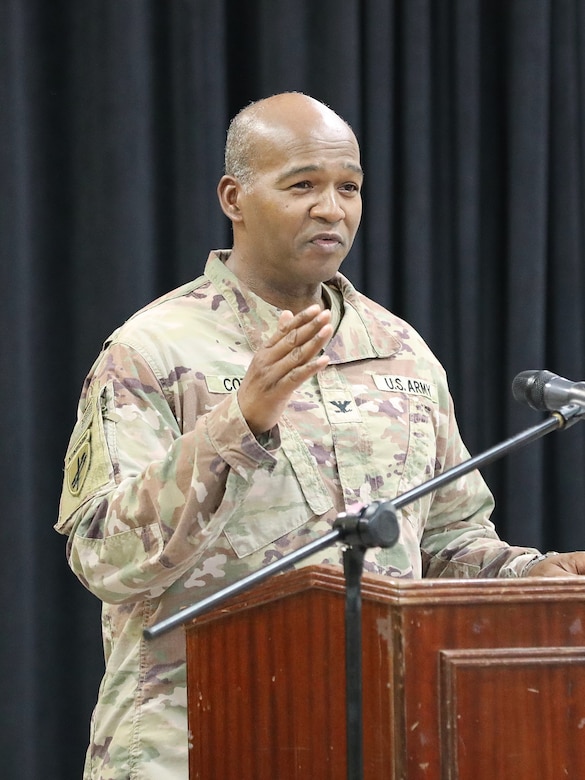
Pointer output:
168, 496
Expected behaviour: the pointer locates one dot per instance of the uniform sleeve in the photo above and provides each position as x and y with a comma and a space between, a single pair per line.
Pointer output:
459, 539
142, 501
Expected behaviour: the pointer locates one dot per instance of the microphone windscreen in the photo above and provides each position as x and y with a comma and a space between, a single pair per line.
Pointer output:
528, 387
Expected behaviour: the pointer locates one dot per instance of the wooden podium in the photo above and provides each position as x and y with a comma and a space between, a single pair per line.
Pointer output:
462, 680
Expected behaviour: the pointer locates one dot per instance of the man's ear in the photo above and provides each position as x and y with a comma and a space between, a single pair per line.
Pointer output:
229, 191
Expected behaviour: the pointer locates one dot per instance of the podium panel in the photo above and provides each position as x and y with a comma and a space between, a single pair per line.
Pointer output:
462, 680
547, 691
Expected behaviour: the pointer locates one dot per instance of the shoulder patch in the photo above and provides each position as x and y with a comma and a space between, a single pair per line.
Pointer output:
88, 466
78, 464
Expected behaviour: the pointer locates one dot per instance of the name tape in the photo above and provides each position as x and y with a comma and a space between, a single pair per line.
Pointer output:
406, 384
223, 384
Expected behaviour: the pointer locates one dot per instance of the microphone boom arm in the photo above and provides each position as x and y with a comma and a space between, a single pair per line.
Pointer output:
375, 525
563, 418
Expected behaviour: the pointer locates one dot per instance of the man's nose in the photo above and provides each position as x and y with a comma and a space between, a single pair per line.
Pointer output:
328, 206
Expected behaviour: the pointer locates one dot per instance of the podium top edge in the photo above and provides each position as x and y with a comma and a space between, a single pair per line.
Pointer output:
403, 592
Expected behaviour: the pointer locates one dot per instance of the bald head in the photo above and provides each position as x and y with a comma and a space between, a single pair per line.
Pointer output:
279, 116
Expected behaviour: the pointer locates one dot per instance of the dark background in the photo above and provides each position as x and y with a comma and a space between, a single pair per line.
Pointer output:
471, 117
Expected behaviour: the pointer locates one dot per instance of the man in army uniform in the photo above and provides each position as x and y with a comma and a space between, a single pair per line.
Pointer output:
230, 421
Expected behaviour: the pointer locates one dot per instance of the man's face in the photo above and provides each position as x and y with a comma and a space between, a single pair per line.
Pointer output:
303, 208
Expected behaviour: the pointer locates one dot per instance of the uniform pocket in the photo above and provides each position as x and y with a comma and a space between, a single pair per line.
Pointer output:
275, 503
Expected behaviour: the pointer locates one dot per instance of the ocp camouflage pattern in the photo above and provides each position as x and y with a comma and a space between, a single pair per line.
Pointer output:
168, 496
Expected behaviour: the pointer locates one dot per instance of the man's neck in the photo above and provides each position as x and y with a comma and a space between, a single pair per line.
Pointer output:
289, 298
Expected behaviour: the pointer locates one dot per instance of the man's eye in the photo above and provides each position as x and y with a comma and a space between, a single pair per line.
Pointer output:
302, 185
350, 186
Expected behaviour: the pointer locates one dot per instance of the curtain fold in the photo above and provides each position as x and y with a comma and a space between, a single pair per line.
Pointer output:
113, 113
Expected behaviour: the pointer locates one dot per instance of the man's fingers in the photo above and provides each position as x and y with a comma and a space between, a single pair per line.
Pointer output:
310, 327
299, 359
306, 347
288, 358
300, 373
292, 329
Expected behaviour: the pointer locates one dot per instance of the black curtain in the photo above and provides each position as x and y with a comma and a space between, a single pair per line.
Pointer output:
471, 117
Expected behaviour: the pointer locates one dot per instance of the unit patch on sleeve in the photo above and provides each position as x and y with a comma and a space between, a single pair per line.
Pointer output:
406, 384
78, 464
88, 466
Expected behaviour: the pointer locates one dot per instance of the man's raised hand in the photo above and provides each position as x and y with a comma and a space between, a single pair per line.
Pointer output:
287, 359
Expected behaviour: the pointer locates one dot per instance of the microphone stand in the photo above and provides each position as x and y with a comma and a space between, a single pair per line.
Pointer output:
375, 525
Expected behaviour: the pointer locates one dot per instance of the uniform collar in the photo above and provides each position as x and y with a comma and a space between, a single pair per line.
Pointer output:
366, 329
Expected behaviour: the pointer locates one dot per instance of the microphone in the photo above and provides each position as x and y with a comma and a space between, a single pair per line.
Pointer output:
545, 391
